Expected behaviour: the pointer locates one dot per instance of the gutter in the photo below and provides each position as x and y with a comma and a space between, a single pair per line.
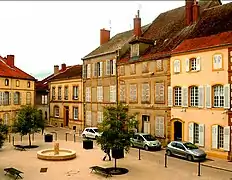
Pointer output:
101, 54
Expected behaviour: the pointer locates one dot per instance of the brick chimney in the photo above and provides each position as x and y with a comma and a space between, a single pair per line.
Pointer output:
10, 60
104, 36
63, 67
137, 25
196, 11
56, 69
189, 12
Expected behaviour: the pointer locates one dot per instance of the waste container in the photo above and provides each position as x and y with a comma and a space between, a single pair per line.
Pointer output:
48, 137
87, 144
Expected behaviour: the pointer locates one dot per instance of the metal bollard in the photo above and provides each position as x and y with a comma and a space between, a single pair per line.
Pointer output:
74, 137
139, 154
9, 137
66, 136
13, 140
165, 160
199, 168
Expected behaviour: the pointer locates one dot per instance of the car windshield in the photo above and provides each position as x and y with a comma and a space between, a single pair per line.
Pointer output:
149, 137
96, 130
190, 146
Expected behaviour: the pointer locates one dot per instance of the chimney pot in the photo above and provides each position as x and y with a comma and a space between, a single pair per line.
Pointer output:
137, 25
104, 36
10, 60
189, 12
63, 67
196, 11
56, 69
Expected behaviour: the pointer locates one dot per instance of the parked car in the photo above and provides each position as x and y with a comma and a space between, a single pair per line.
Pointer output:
91, 132
186, 150
146, 141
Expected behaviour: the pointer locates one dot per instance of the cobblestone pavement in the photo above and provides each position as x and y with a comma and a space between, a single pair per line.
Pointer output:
151, 165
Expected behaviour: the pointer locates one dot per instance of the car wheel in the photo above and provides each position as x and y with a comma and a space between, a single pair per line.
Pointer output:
146, 147
190, 158
169, 153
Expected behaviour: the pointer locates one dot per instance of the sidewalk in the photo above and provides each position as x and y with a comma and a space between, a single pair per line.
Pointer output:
220, 164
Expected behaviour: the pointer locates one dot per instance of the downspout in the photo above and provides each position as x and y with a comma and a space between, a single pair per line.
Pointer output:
83, 90
116, 75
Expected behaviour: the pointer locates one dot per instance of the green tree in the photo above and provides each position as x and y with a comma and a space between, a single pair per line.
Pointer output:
29, 120
3, 133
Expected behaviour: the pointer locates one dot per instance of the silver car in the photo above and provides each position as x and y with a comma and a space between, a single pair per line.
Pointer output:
186, 150
145, 141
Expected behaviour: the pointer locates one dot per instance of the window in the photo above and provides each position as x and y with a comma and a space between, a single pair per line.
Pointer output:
194, 96
133, 69
113, 93
122, 70
59, 93
159, 65
218, 97
75, 113
28, 98
133, 92
66, 92
17, 98
159, 92
193, 64
84, 71
88, 118
145, 68
122, 93
87, 94
134, 50
88, 70
44, 99
145, 93
99, 69
56, 111
17, 83
111, 67
6, 118
99, 117
159, 126
217, 61
196, 133
6, 98
53, 93
28, 84
177, 96
176, 66
6, 82
75, 92
220, 137
99, 94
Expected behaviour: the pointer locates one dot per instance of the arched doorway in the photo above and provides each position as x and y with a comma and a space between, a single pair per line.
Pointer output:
178, 134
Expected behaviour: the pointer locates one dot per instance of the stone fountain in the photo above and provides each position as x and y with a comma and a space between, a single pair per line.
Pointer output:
56, 154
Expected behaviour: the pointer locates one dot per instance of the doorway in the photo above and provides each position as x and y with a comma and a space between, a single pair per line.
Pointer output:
178, 131
66, 115
146, 124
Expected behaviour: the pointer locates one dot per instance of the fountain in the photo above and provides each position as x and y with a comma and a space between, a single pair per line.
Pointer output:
56, 154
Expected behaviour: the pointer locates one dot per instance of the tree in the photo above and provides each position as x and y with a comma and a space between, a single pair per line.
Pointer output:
29, 120
3, 133
117, 128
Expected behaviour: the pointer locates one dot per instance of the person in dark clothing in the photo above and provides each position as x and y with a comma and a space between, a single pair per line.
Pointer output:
107, 153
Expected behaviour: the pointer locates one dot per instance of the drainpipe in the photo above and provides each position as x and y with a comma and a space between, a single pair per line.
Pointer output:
116, 75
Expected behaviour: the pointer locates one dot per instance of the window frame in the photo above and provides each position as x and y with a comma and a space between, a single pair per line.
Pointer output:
28, 84
7, 82
133, 99
59, 93
193, 96
18, 98
28, 98
193, 61
179, 97
66, 93
75, 113
196, 133
213, 62
221, 98
17, 83
56, 111
147, 97
75, 92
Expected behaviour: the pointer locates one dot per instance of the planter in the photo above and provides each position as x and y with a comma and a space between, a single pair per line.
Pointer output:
87, 144
48, 137
117, 153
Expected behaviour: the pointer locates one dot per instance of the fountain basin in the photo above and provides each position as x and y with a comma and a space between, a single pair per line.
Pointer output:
49, 154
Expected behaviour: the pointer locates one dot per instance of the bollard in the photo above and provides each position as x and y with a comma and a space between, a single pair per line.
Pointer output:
74, 137
9, 138
13, 140
139, 154
66, 136
199, 168
165, 160
21, 138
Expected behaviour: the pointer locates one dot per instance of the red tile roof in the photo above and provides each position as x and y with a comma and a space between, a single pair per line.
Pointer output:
13, 72
205, 42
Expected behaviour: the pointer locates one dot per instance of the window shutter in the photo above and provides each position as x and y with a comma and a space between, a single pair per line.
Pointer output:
191, 132
99, 94
170, 100
107, 67
114, 67
88, 70
226, 145
200, 96
9, 98
227, 96
201, 135
1, 99
84, 71
184, 96
198, 63
15, 97
215, 136
208, 96
20, 98
87, 94
187, 65
111, 93
93, 69
100, 74
175, 66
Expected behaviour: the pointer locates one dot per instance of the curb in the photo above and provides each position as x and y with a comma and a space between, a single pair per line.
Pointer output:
216, 167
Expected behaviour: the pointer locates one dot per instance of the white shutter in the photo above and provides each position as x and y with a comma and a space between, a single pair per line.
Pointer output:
99, 94
107, 67
1, 99
198, 63
226, 141
88, 70
227, 96
84, 70
184, 96
114, 67
208, 96
187, 65
201, 135
9, 98
191, 132
170, 100
215, 136
111, 93
200, 96
175, 66
94, 70
100, 75
99, 116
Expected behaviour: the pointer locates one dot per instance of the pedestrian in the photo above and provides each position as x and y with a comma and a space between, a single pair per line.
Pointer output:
107, 153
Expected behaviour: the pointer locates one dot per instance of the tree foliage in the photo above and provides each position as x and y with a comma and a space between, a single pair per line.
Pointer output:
29, 120
117, 127
3, 133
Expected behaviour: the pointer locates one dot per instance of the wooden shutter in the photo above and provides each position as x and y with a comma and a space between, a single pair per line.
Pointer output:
84, 71
191, 132
215, 136
227, 96
87, 94
1, 98
208, 96
198, 63
114, 67
175, 66
187, 65
111, 93
15, 97
107, 67
226, 142
184, 96
200, 96
201, 135
9, 98
100, 74
20, 98
170, 97
88, 70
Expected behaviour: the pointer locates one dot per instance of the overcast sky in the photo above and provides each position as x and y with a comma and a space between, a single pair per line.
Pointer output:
42, 34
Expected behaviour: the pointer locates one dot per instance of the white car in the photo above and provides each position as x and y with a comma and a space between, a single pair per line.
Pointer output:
90, 132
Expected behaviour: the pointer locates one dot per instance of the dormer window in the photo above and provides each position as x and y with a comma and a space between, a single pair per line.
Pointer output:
134, 50
6, 82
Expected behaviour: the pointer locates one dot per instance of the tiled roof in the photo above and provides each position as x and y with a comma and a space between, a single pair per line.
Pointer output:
115, 42
13, 72
224, 38
167, 31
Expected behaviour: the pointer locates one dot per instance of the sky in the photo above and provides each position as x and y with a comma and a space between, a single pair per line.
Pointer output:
42, 34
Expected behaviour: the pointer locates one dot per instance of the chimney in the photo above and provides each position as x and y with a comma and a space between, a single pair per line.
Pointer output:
104, 36
196, 11
63, 67
137, 25
188, 12
10, 60
56, 69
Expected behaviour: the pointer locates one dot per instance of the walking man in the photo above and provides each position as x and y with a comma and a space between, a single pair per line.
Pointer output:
107, 153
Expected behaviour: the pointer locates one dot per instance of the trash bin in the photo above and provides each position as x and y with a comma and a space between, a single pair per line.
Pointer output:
48, 137
87, 144
118, 153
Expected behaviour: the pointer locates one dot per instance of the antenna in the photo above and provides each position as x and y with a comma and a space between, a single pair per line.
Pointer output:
139, 8
110, 24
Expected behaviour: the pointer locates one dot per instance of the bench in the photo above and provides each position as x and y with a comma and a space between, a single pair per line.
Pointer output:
13, 172
20, 147
101, 170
